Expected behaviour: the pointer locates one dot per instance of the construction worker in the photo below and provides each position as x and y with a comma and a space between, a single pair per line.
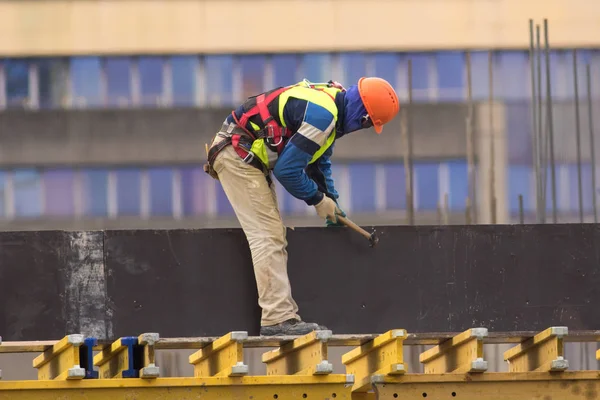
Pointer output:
289, 132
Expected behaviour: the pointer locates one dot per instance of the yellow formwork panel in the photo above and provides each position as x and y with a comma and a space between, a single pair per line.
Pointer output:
463, 353
382, 356
598, 355
575, 385
543, 352
332, 387
306, 355
61, 361
223, 357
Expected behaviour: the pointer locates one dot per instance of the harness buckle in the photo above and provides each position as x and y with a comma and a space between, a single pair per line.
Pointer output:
249, 157
271, 134
270, 140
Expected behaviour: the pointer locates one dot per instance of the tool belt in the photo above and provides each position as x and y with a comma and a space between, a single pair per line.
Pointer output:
242, 143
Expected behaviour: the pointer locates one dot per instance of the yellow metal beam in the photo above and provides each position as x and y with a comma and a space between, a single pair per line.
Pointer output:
62, 360
333, 386
598, 355
569, 385
306, 355
117, 360
224, 357
463, 353
382, 356
543, 352
149, 369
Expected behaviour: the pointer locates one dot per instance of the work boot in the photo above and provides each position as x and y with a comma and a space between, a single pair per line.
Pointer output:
291, 327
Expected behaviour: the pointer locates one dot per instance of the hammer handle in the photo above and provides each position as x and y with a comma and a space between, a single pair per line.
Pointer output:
352, 225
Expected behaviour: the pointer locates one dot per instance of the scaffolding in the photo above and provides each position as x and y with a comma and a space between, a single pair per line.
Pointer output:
79, 367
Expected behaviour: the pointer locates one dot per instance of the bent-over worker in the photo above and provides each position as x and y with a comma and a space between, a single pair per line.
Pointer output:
289, 131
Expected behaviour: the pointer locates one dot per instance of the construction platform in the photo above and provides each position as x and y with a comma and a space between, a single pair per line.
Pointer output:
455, 367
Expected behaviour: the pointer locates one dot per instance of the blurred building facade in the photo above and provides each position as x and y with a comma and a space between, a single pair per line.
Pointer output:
105, 106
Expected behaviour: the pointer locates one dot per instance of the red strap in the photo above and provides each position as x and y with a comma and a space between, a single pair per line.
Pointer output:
262, 103
235, 142
261, 107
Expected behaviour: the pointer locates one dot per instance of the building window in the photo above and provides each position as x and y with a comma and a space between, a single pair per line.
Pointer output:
128, 191
151, 80
219, 80
118, 81
184, 80
194, 185
354, 66
513, 75
362, 188
395, 185
17, 82
285, 68
58, 192
450, 68
426, 184
161, 191
53, 82
386, 67
480, 77
86, 81
420, 75
27, 193
3, 194
459, 184
95, 189
316, 67
253, 75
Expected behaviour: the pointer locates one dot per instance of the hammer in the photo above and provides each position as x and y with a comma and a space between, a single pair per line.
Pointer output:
373, 239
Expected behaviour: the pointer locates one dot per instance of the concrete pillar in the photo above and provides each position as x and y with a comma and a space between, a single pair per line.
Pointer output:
492, 168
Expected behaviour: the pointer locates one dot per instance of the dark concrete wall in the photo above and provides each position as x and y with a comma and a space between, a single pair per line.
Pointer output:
200, 282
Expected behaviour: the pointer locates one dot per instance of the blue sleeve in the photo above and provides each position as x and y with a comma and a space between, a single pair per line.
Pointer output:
315, 125
325, 167
289, 171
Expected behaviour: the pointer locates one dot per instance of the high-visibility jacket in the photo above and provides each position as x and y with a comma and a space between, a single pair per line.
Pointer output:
265, 132
324, 97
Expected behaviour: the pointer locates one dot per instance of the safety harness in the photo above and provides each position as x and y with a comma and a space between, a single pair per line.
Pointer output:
275, 136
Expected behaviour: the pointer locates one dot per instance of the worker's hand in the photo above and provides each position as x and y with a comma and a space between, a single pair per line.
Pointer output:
330, 224
336, 85
328, 209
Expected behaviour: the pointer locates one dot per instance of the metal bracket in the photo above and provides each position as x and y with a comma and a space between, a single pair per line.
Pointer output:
63, 360
306, 355
147, 341
129, 357
223, 358
116, 360
381, 356
463, 353
544, 352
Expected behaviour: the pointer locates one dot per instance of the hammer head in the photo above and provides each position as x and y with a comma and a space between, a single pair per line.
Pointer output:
373, 239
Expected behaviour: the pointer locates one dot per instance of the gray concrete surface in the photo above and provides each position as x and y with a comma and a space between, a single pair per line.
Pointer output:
156, 136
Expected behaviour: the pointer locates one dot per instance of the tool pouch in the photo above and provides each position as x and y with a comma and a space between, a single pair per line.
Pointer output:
210, 155
210, 171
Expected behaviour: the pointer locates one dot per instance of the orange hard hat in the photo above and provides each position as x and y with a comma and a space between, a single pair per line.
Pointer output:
379, 99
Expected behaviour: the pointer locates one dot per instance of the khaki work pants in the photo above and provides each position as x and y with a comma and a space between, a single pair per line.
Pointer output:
255, 205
